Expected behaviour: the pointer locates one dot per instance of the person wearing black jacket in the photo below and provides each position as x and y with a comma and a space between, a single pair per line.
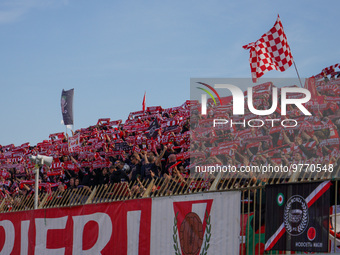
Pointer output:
148, 166
103, 176
87, 177
118, 175
135, 167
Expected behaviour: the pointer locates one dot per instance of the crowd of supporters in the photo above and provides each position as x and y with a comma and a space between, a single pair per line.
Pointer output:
310, 142
141, 148
169, 143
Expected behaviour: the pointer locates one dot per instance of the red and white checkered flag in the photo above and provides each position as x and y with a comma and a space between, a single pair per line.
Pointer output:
270, 52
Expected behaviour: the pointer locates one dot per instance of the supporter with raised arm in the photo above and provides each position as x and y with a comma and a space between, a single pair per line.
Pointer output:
158, 160
87, 177
171, 162
148, 166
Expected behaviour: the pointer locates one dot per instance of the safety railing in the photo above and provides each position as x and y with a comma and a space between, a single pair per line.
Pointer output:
154, 187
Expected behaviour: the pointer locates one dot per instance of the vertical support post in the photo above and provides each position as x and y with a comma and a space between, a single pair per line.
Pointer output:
36, 188
335, 212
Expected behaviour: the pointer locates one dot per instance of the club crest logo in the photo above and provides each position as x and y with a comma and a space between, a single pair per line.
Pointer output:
192, 227
296, 215
191, 234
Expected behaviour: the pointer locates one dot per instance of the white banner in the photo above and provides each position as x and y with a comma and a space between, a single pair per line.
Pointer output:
73, 144
196, 224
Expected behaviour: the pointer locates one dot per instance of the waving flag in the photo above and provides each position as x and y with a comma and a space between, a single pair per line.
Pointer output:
270, 52
328, 71
67, 106
143, 104
152, 131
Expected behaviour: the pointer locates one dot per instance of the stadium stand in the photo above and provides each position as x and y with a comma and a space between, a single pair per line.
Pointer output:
154, 145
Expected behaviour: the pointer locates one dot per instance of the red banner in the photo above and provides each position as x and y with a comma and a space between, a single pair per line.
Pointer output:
91, 229
164, 225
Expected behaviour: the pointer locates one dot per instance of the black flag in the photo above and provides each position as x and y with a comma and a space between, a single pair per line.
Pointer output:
67, 106
297, 217
152, 130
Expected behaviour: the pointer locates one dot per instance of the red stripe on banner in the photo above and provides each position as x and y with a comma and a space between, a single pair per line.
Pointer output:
319, 194
279, 235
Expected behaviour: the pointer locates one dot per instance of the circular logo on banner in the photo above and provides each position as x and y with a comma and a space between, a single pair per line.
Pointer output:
191, 234
311, 233
296, 215
280, 199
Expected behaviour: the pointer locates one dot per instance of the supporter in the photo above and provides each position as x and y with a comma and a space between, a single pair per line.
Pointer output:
186, 127
88, 177
77, 183
61, 187
148, 166
171, 162
71, 184
103, 176
159, 162
325, 78
135, 168
118, 175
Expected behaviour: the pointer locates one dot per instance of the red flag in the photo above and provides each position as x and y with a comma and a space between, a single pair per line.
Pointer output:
310, 85
144, 102
328, 71
270, 52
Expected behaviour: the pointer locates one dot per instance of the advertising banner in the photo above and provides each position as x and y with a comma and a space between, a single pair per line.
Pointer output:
167, 225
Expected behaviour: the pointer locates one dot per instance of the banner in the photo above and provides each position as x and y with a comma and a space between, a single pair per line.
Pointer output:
196, 224
310, 85
270, 52
297, 217
255, 239
74, 143
67, 106
164, 225
106, 228
152, 131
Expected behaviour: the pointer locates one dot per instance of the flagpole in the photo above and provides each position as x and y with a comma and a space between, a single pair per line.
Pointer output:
298, 74
73, 126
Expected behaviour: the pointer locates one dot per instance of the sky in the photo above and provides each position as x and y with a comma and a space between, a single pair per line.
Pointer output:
111, 52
